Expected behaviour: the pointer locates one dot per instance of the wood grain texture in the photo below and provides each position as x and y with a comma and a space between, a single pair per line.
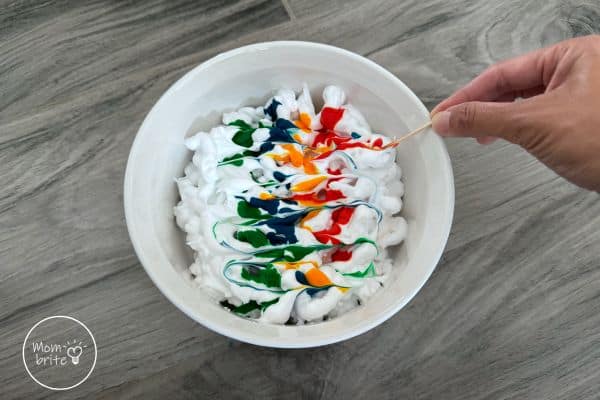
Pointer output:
511, 312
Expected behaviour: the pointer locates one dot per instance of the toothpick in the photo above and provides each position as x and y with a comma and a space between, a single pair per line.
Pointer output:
412, 133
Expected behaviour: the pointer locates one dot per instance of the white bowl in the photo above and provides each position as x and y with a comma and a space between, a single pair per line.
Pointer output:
248, 76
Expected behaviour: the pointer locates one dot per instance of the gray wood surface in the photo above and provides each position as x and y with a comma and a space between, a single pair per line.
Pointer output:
511, 312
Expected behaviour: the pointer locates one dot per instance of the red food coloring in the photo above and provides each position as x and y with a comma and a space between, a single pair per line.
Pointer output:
324, 238
342, 215
328, 137
339, 217
332, 194
341, 255
331, 116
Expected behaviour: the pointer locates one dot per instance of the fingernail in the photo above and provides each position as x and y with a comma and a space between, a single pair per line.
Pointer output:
485, 140
441, 122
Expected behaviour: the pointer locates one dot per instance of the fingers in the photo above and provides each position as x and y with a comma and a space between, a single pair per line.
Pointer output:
485, 140
520, 94
521, 74
523, 94
480, 120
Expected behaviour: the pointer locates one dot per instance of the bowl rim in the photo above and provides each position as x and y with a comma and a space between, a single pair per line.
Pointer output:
268, 342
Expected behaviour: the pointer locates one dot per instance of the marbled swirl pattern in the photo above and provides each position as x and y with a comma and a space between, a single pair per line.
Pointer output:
290, 212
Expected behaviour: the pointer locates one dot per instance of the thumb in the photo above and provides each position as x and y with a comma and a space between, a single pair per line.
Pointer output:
480, 119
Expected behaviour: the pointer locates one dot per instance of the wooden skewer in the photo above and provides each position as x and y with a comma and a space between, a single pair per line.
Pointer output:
419, 129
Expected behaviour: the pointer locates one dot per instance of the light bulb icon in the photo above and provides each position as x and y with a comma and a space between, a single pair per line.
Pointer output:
74, 352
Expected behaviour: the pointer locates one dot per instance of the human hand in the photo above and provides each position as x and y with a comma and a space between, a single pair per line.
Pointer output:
558, 120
